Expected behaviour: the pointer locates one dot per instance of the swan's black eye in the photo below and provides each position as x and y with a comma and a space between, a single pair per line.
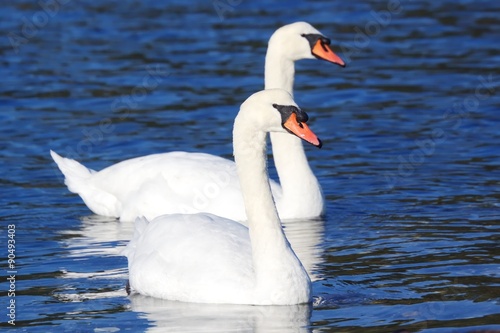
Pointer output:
325, 40
302, 117
287, 110
313, 39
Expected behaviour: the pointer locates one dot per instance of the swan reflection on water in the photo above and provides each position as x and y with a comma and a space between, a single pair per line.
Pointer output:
99, 235
172, 316
306, 238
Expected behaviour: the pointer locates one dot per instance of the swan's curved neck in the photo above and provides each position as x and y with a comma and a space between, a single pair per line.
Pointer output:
250, 158
301, 189
279, 70
270, 248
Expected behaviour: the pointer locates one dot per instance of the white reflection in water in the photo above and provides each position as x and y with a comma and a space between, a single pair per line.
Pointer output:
171, 316
100, 235
306, 238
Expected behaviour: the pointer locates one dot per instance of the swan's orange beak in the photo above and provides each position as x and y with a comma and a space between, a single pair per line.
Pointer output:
301, 130
323, 51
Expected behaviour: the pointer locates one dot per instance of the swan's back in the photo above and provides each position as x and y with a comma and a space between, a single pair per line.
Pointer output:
172, 182
196, 258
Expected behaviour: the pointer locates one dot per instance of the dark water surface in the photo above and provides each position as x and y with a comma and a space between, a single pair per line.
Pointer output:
410, 165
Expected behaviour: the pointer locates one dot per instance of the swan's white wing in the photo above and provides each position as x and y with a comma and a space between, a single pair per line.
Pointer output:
168, 256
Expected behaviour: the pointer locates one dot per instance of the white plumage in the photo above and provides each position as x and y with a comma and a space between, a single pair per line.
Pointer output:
179, 182
205, 258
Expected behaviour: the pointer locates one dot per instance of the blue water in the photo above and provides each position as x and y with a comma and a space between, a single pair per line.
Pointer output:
410, 165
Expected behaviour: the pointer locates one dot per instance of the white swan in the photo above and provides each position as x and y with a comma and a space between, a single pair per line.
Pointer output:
295, 175
204, 258
179, 182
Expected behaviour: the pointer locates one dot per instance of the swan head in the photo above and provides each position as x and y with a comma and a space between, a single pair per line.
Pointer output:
300, 40
274, 110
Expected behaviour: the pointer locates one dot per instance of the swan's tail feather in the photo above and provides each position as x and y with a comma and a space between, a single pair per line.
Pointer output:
75, 174
78, 178
141, 223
